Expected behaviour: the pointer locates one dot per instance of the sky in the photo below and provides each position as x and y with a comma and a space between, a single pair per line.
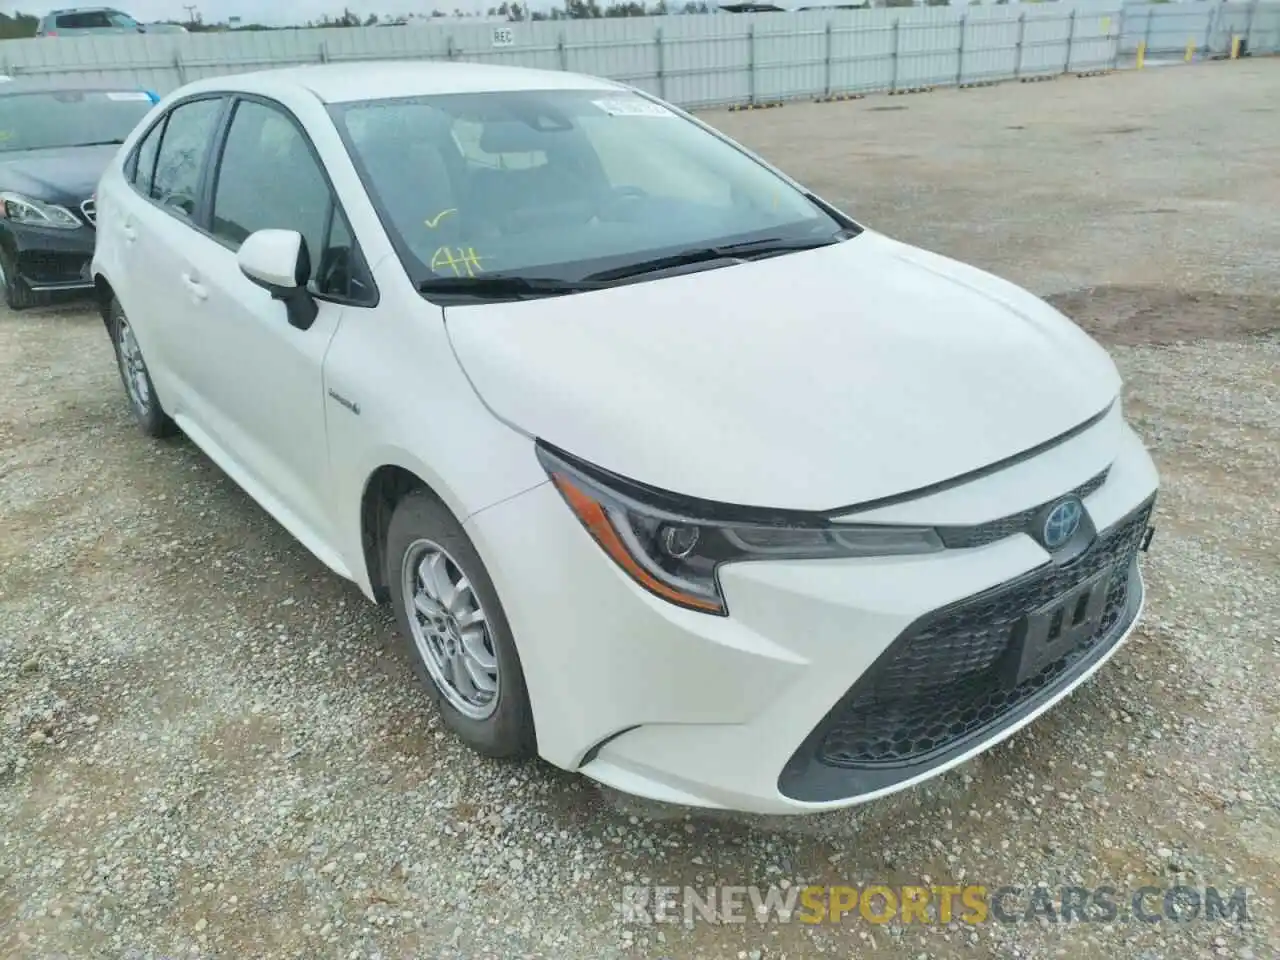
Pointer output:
259, 11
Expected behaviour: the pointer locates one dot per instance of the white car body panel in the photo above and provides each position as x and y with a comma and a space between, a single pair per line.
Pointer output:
918, 391
703, 694
914, 351
419, 403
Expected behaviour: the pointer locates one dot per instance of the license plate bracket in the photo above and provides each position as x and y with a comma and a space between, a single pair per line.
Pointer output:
1049, 632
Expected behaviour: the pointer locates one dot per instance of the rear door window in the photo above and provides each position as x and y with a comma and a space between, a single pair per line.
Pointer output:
144, 165
181, 158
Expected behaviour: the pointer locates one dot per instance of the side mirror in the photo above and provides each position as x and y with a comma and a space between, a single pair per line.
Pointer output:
279, 262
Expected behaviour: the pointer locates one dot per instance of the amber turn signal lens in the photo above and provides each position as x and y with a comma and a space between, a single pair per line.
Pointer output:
600, 527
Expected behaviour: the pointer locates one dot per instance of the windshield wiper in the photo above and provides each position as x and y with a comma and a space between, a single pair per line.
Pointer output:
97, 143
499, 286
742, 250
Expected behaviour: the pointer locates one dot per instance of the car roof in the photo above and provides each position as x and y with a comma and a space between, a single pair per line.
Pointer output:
387, 79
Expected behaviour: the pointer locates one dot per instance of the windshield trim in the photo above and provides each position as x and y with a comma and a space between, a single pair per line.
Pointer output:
420, 274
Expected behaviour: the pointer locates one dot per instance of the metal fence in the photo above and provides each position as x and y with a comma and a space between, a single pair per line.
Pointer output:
1206, 27
706, 60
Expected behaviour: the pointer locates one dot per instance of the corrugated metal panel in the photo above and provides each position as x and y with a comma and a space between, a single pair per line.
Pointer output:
1168, 27
1258, 24
624, 49
1044, 42
706, 60
991, 39
789, 53
862, 50
1093, 41
1265, 35
1208, 25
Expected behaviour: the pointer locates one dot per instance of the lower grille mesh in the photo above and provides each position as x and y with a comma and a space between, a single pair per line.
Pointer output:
942, 680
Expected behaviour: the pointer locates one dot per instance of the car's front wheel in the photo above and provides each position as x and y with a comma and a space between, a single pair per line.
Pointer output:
459, 640
135, 376
17, 294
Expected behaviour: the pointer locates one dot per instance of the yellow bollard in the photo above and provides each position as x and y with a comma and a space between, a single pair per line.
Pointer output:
1142, 53
1191, 49
1235, 47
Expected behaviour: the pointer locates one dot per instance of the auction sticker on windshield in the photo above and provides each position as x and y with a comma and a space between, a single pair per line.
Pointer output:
632, 107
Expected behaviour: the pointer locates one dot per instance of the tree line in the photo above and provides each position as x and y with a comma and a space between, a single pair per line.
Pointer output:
17, 25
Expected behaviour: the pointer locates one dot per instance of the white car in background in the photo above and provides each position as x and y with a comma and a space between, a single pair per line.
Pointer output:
674, 473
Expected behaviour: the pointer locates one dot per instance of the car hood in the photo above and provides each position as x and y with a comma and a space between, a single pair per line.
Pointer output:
55, 175
809, 381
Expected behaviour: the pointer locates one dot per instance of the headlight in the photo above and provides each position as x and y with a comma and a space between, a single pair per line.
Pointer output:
20, 209
674, 553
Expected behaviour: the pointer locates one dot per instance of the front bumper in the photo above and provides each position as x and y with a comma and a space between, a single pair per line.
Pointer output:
49, 259
831, 682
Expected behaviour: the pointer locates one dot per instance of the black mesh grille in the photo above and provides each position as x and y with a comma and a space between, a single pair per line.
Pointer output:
945, 678
991, 531
45, 266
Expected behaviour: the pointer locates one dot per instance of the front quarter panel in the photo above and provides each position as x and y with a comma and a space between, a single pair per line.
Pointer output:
403, 400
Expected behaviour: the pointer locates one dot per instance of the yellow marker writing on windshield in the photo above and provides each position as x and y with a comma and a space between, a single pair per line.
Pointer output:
5, 135
434, 222
461, 262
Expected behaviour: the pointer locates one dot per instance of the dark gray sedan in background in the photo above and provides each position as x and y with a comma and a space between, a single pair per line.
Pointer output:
55, 140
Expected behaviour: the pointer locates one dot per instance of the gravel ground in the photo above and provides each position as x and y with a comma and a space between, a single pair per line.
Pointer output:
210, 746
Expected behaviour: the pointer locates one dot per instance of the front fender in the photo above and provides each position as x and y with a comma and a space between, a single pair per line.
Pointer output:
353, 486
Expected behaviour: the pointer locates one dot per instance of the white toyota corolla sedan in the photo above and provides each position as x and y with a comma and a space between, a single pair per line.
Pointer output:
674, 473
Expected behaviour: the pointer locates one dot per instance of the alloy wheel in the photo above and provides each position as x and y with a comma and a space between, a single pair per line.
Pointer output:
132, 367
450, 629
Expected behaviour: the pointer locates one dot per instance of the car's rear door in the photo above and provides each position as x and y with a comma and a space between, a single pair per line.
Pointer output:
159, 235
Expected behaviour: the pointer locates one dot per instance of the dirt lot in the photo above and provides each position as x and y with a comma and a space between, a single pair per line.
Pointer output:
211, 746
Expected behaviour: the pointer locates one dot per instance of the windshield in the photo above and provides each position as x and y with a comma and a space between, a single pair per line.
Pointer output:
562, 184
68, 118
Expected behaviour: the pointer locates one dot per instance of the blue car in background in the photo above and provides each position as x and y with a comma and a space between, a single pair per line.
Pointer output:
56, 138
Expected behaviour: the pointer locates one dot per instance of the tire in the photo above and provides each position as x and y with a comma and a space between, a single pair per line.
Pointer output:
136, 379
421, 529
17, 294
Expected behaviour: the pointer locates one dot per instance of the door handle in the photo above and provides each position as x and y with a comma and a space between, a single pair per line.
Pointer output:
195, 286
